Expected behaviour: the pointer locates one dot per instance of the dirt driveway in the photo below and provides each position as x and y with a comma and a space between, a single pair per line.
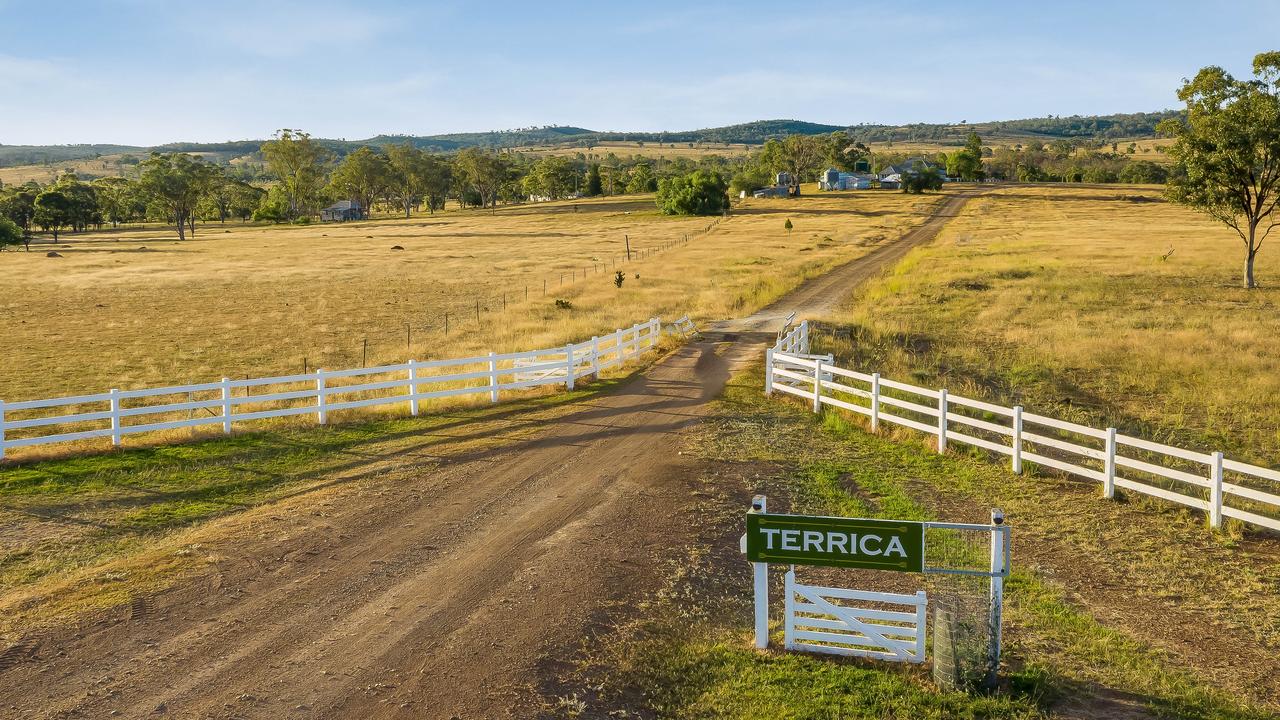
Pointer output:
435, 590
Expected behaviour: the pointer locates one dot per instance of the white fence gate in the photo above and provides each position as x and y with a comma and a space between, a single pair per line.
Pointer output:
817, 621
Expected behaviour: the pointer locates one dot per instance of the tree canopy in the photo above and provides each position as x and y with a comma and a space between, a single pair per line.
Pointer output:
699, 193
1228, 151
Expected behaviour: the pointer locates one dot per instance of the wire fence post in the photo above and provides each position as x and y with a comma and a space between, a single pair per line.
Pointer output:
115, 417
413, 387
999, 537
225, 386
1016, 450
322, 400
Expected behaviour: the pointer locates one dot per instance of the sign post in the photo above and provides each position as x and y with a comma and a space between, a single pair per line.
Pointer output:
815, 613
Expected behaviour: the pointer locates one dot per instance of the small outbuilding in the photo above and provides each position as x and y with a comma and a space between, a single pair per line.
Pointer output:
342, 211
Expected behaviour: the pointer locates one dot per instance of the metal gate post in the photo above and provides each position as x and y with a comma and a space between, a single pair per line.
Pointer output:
999, 536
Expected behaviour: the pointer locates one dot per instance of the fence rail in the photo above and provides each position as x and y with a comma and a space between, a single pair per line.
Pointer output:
1208, 482
118, 413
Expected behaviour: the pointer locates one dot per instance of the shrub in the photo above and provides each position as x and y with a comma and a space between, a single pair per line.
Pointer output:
699, 193
10, 233
563, 304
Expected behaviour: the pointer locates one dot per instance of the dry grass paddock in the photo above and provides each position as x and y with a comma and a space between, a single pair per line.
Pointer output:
1063, 300
137, 308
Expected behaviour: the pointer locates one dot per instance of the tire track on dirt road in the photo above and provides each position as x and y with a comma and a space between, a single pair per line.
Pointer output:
437, 588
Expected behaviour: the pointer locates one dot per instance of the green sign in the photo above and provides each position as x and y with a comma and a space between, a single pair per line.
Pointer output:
836, 541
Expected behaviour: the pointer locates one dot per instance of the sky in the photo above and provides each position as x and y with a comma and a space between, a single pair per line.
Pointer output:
145, 72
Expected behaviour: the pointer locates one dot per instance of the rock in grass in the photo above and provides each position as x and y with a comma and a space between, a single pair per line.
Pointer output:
396, 247
53, 253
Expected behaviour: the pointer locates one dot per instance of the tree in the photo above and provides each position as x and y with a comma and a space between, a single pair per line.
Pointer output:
966, 164
481, 172
10, 233
116, 199
362, 176
787, 226
843, 153
921, 177
1143, 172
551, 177
299, 163
699, 193
594, 185
1227, 148
174, 183
407, 171
18, 203
53, 211
642, 179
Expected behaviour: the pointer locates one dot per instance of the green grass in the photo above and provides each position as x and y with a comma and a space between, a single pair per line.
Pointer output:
695, 660
69, 516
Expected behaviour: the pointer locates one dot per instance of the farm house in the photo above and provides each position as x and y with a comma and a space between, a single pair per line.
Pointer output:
342, 211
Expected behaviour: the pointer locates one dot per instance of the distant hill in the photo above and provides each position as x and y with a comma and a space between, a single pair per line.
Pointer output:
1091, 127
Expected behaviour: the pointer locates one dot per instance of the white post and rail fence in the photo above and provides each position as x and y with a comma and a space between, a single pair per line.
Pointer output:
117, 413
1220, 487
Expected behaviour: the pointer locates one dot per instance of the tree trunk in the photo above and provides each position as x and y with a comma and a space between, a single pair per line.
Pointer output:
1250, 253
182, 226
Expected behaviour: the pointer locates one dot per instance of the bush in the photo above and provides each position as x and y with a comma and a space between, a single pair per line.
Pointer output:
10, 233
1143, 172
920, 179
563, 304
1099, 174
700, 193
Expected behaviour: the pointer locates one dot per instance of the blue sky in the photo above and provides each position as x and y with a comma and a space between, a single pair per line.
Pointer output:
154, 71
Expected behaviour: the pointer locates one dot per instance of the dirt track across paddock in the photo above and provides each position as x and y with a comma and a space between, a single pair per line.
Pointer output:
437, 587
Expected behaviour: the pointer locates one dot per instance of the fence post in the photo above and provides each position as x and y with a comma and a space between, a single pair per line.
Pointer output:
115, 417
493, 378
804, 336
875, 402
760, 577
226, 406
768, 371
999, 536
595, 357
568, 366
413, 388
817, 384
942, 420
1215, 493
322, 400
789, 609
1017, 440
1109, 466
922, 604
1, 429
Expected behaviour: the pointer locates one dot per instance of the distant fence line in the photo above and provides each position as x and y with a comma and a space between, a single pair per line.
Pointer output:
117, 413
1206, 481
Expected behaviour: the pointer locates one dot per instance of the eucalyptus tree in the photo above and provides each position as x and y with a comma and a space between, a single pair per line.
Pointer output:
363, 176
174, 183
1227, 148
300, 164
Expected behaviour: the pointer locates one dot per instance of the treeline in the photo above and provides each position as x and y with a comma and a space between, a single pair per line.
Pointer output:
1059, 161
304, 175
